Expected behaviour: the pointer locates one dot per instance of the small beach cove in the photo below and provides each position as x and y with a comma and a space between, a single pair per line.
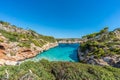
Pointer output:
63, 52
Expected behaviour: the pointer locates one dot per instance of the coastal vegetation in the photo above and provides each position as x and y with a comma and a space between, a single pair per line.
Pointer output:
26, 37
102, 45
45, 70
18, 43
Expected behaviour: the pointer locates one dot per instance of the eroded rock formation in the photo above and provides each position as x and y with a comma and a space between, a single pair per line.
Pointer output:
17, 44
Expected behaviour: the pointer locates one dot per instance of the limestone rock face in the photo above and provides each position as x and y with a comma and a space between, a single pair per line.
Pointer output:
108, 60
102, 48
17, 44
12, 52
117, 33
69, 41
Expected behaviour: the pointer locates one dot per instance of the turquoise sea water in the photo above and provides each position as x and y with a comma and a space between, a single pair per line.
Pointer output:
63, 52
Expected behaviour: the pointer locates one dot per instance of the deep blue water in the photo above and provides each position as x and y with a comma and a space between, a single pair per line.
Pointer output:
63, 52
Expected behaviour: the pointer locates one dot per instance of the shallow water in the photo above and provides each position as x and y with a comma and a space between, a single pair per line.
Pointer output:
63, 52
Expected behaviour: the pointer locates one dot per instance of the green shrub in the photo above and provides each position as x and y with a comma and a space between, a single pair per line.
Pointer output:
101, 44
45, 70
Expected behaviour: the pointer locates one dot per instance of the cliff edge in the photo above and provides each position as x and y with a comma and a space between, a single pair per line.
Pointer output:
18, 44
102, 48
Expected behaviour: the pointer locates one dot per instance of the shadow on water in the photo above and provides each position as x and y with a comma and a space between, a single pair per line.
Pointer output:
74, 56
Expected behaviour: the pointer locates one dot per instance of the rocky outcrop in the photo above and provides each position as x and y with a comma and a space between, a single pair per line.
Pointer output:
101, 48
13, 53
17, 44
103, 61
10, 28
69, 41
117, 33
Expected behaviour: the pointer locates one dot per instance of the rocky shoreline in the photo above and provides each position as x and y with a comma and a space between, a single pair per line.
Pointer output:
101, 48
90, 60
18, 44
103, 61
26, 53
69, 42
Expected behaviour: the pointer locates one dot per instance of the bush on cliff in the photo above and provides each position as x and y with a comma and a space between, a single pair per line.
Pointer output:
103, 43
24, 37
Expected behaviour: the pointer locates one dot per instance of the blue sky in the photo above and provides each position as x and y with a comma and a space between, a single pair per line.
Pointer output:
62, 18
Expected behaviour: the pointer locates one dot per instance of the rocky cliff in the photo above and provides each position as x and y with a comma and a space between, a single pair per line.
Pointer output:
102, 48
69, 40
18, 44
